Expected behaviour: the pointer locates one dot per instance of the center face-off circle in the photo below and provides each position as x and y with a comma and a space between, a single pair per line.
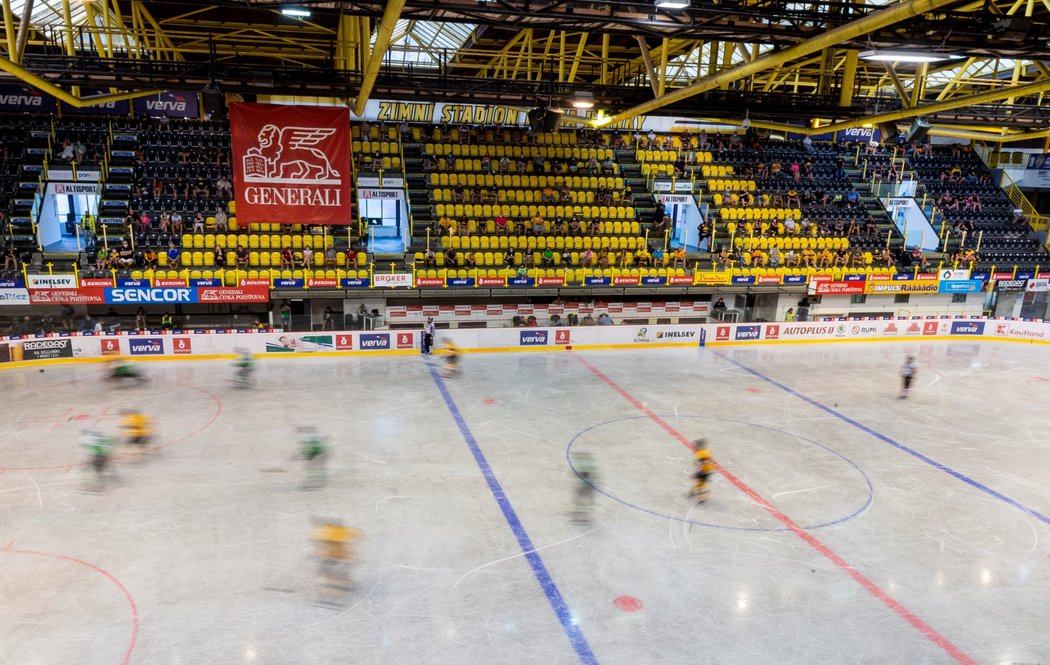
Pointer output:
772, 460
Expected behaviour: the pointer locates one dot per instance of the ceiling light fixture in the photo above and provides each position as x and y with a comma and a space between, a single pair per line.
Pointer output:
746, 122
583, 99
297, 12
889, 55
671, 4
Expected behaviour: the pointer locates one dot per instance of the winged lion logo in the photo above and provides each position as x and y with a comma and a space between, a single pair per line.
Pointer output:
289, 154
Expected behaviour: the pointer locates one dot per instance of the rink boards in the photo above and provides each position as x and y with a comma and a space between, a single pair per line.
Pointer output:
207, 344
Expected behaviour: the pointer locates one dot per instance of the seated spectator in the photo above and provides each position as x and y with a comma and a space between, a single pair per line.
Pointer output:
588, 320
223, 188
219, 256
450, 258
174, 256
222, 221
165, 221
547, 195
308, 256
852, 197
351, 258
538, 227
825, 258
176, 222
149, 259
587, 258
429, 258
775, 260
445, 225
659, 257
841, 257
198, 223
644, 257
125, 255
240, 257
871, 228
918, 258
604, 319
547, 258
501, 224
792, 259
10, 258
885, 257
574, 226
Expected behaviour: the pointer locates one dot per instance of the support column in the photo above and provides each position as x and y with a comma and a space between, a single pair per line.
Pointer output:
849, 79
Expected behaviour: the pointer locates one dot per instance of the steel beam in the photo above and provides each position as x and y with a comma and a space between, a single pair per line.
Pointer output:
849, 79
43, 85
375, 60
874, 21
648, 59
898, 84
23, 30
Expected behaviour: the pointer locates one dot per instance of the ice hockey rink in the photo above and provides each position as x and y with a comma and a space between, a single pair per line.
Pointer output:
847, 526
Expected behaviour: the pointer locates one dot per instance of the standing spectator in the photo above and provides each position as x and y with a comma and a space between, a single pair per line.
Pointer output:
428, 336
140, 318
329, 318
286, 316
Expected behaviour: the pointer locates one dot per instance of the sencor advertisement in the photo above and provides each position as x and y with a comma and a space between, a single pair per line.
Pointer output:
532, 338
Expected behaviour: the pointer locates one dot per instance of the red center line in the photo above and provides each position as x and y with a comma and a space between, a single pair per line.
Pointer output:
811, 540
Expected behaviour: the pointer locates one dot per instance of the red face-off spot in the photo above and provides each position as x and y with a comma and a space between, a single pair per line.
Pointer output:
753, 390
627, 603
488, 401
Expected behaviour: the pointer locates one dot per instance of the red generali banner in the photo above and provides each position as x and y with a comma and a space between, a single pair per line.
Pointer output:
291, 164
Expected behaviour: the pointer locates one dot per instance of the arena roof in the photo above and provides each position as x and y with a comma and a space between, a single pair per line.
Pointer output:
791, 63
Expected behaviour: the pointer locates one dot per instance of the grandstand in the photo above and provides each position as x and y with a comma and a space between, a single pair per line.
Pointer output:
521, 264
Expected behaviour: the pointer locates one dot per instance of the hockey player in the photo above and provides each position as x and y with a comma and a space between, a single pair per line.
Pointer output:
313, 447
451, 367
138, 432
100, 448
705, 468
587, 474
245, 366
125, 369
333, 543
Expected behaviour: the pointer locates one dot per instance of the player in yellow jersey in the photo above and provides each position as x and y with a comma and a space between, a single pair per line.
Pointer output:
705, 468
137, 429
333, 542
451, 367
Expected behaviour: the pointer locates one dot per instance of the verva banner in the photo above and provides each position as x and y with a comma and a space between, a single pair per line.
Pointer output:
291, 164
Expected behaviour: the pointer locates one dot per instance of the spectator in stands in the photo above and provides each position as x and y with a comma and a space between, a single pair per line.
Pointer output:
841, 257
176, 222
603, 257
504, 164
174, 256
871, 228
223, 188
67, 152
853, 229
587, 258
198, 222
126, 255
457, 194
240, 257
574, 226
775, 260
678, 258
102, 258
604, 319
792, 259
790, 228
450, 258
547, 195
165, 221
469, 260
287, 259
329, 257
972, 203
918, 258
538, 228
825, 258
659, 257
486, 164
809, 258
11, 258
643, 256
149, 259
520, 164
852, 197
222, 221
565, 193
547, 258
308, 256
885, 258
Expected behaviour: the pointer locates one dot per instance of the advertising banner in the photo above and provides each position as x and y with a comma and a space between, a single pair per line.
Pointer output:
173, 103
52, 281
291, 164
901, 286
46, 349
1037, 285
391, 280
961, 286
14, 297
5, 353
146, 346
88, 296
967, 328
23, 99
109, 346
374, 341
122, 107
532, 338
829, 287
185, 295
300, 344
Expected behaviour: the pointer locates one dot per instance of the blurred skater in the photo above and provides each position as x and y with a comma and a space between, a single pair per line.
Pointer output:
124, 370
137, 429
100, 448
451, 367
313, 447
705, 468
908, 370
333, 543
245, 366
587, 475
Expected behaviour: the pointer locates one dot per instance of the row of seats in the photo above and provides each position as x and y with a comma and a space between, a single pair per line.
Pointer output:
231, 277
496, 152
484, 259
444, 179
759, 214
791, 243
541, 242
383, 147
511, 196
256, 241
718, 185
198, 259
461, 210
475, 165
526, 226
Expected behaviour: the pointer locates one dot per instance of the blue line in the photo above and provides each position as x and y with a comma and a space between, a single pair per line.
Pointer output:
896, 444
539, 569
867, 481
